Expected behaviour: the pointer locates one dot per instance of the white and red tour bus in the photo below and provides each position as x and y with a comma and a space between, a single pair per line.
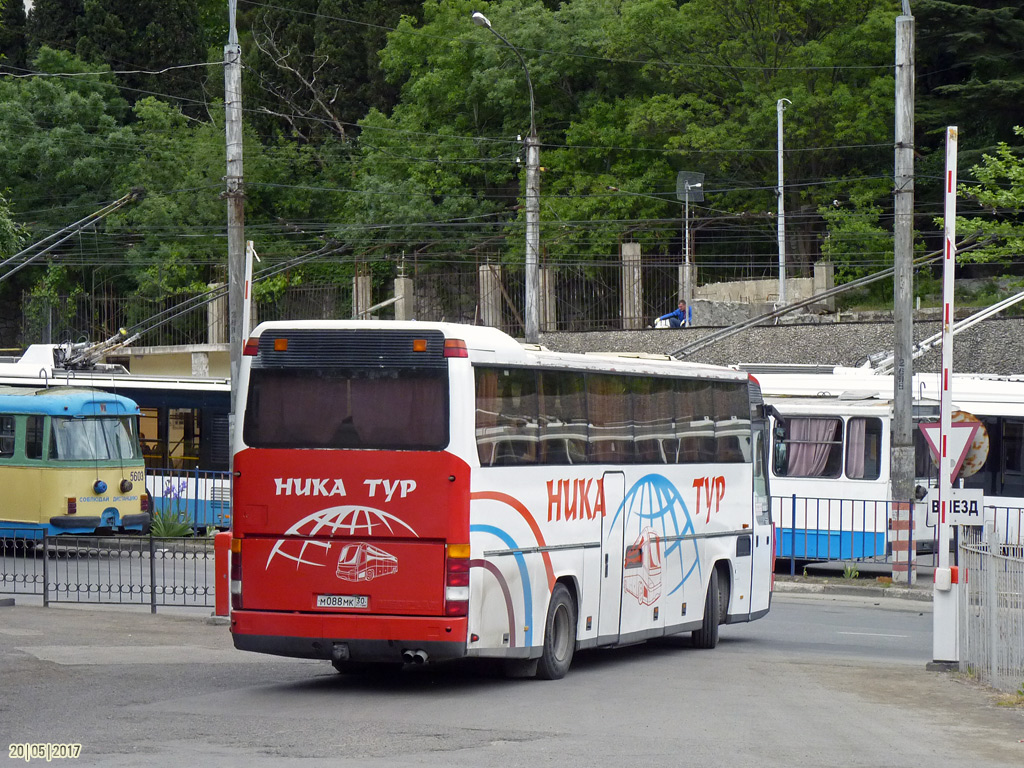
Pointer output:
410, 492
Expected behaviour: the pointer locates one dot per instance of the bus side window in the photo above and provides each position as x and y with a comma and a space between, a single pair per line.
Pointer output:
506, 416
34, 437
6, 437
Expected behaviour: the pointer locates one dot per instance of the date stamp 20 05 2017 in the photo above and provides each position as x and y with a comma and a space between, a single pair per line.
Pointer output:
43, 751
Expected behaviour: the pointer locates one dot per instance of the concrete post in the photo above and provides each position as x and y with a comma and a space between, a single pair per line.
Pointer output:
489, 276
548, 309
632, 287
405, 306
824, 280
361, 296
217, 318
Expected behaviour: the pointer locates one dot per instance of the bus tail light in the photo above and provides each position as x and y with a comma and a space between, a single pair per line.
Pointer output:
252, 346
72, 505
456, 581
455, 348
235, 570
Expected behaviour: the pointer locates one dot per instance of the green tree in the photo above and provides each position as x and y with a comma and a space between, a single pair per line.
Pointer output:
61, 141
627, 94
312, 66
970, 73
11, 237
173, 239
710, 75
12, 35
148, 35
54, 24
999, 192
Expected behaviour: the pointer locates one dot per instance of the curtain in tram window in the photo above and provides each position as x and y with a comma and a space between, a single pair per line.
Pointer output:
810, 445
855, 444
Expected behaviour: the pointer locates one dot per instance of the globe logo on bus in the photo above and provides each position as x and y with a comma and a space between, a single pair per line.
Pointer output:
654, 503
347, 520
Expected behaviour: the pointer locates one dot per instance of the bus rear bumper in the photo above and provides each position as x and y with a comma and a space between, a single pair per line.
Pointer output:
338, 637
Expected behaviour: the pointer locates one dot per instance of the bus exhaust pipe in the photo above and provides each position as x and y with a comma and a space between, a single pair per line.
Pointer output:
414, 657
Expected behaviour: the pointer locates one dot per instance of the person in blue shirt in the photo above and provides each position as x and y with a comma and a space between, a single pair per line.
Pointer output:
678, 318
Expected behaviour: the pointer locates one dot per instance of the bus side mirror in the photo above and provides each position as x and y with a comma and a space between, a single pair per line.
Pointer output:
779, 457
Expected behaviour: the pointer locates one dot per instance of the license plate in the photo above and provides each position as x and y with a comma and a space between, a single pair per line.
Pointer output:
342, 601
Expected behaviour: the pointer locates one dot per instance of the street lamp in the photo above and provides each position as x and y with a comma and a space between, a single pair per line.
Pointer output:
532, 330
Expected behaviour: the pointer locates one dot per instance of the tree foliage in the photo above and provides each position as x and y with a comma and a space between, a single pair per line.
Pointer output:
383, 128
13, 55
54, 24
999, 191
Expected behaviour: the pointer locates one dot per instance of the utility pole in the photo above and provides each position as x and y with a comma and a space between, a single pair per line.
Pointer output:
532, 265
780, 107
235, 195
902, 464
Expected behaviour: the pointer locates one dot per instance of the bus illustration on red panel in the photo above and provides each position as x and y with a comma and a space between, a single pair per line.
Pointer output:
365, 562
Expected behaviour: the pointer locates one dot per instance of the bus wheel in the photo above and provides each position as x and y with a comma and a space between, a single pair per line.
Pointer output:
559, 635
707, 635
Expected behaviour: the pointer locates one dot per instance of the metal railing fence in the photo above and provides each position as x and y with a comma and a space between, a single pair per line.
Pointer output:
812, 529
122, 570
587, 297
991, 609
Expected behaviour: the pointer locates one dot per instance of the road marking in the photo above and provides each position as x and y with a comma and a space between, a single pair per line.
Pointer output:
871, 634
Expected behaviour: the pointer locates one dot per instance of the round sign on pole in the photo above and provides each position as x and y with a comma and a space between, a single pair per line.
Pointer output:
978, 452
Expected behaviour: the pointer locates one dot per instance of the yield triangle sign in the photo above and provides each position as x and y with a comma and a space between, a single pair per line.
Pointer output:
958, 443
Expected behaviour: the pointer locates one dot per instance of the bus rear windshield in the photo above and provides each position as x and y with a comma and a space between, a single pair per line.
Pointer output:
367, 408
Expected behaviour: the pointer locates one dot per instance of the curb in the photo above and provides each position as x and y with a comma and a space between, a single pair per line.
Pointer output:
899, 593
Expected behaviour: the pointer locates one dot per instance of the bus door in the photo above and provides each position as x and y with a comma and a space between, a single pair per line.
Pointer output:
612, 549
762, 552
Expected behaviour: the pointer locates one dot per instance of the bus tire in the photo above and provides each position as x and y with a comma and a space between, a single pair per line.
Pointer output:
707, 635
724, 589
559, 635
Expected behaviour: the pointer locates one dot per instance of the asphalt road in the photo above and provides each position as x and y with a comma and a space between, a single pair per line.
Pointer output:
823, 681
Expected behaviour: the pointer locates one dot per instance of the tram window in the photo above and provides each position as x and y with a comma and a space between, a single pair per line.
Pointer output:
808, 447
183, 438
6, 437
34, 437
506, 416
863, 448
1013, 458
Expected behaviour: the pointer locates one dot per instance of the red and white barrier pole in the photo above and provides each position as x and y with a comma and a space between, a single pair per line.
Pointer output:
945, 634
